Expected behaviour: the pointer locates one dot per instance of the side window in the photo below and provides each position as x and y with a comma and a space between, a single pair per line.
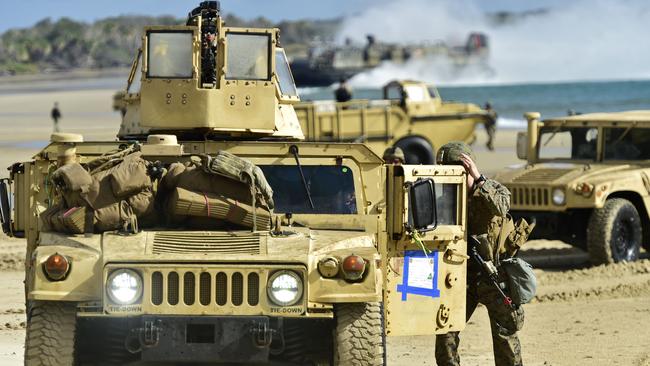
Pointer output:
169, 55
134, 85
627, 144
287, 85
394, 92
447, 203
248, 56
416, 93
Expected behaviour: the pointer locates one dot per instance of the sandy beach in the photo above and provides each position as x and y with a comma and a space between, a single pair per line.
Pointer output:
590, 316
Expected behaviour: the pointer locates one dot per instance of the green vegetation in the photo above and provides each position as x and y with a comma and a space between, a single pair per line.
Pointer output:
67, 44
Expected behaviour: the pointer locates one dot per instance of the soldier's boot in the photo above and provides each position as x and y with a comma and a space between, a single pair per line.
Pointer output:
447, 349
505, 342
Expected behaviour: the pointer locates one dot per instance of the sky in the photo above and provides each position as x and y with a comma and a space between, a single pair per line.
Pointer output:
21, 14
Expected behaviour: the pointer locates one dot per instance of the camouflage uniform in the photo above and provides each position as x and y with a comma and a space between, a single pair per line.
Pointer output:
487, 206
491, 127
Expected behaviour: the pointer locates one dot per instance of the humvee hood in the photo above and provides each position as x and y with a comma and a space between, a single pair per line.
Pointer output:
558, 174
294, 243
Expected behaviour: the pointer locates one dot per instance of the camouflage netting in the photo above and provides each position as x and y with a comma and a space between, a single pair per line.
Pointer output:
119, 193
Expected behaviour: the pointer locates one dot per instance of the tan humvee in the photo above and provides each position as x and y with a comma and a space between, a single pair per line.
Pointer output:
325, 284
587, 181
412, 116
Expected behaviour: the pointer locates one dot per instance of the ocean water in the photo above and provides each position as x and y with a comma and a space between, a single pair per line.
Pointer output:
512, 101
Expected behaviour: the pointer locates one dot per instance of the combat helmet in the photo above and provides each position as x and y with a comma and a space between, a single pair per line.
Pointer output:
393, 153
450, 152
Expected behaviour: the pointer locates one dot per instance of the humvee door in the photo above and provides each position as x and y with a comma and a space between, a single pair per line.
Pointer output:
425, 270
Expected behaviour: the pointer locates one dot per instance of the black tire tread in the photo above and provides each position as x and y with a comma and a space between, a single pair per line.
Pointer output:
359, 335
50, 338
599, 230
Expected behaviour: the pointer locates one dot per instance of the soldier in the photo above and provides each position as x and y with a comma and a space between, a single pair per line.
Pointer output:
343, 93
488, 204
394, 155
56, 115
208, 59
490, 125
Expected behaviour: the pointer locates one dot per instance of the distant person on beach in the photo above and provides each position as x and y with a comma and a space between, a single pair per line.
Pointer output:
490, 125
56, 115
343, 93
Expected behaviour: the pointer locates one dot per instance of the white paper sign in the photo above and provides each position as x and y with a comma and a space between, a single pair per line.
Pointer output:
420, 272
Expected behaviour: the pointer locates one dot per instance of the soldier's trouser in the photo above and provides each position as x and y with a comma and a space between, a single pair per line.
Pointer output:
491, 130
504, 324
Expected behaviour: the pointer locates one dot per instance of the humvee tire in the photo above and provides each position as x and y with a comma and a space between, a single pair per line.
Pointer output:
614, 232
417, 150
51, 329
359, 335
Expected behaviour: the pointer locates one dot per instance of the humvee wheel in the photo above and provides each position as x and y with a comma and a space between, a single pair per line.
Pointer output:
51, 329
614, 232
417, 150
359, 335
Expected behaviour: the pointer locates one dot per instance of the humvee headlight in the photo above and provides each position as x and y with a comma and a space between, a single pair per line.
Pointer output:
124, 286
284, 288
559, 197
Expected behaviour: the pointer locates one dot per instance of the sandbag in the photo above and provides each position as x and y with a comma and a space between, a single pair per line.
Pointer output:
194, 179
121, 214
183, 202
121, 181
130, 176
239, 169
64, 220
74, 183
72, 177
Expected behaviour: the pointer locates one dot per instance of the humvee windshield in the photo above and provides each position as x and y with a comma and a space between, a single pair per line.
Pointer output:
248, 56
331, 189
169, 54
558, 142
627, 143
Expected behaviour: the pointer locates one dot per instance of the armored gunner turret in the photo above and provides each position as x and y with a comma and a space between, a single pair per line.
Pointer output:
207, 80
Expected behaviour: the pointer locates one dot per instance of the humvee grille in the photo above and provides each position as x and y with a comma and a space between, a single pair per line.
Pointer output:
207, 242
253, 288
527, 196
156, 288
208, 288
541, 175
189, 288
222, 282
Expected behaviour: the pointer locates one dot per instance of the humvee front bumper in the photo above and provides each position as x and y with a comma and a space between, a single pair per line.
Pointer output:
220, 339
568, 226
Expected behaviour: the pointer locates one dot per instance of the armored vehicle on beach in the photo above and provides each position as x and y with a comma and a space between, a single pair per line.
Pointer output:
586, 182
209, 232
327, 64
412, 116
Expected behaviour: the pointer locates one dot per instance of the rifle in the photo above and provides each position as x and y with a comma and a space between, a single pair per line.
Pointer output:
488, 270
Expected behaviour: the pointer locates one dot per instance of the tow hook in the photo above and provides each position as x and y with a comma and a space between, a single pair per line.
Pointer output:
146, 337
262, 334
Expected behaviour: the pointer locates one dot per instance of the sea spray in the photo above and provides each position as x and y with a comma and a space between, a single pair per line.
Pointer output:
579, 40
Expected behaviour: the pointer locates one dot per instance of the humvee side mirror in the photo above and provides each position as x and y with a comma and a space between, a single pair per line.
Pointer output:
422, 205
5, 213
522, 145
